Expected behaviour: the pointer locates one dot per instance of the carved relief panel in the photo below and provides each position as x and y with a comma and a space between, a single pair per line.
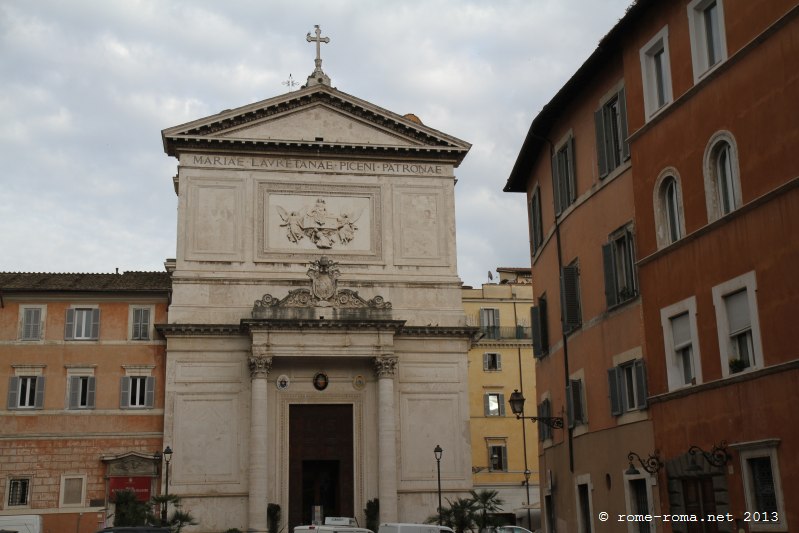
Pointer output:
306, 219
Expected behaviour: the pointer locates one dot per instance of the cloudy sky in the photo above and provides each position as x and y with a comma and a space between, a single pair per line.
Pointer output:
86, 86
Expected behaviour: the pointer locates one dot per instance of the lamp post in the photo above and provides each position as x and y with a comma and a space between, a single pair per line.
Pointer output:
438, 451
167, 456
516, 402
527, 474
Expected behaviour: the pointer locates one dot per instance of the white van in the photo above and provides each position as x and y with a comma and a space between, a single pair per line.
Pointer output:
334, 524
28, 523
412, 528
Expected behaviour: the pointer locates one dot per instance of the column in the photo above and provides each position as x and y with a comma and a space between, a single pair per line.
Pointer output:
260, 364
385, 368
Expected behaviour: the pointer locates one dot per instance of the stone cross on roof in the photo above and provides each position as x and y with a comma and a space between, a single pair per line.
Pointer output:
318, 76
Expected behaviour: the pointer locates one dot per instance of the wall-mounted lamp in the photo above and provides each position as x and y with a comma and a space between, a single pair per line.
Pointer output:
651, 464
516, 402
717, 456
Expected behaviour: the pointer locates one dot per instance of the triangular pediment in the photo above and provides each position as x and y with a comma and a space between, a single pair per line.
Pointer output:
318, 118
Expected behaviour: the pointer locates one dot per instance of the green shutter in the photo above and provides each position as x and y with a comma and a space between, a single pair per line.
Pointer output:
640, 383
615, 394
609, 266
572, 178
149, 392
74, 392
556, 185
570, 297
124, 392
601, 156
625, 145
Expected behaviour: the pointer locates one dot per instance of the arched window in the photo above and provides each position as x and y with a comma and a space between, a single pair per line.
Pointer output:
672, 208
722, 180
669, 221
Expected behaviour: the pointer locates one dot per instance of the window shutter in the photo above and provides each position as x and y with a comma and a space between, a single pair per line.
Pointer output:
149, 392
601, 156
570, 297
38, 402
499, 361
577, 400
615, 394
504, 452
485, 361
95, 323
91, 395
640, 383
541, 426
570, 404
625, 145
556, 184
535, 322
486, 409
501, 400
608, 264
572, 178
124, 392
145, 324
13, 393
31, 324
69, 326
136, 333
546, 410
74, 392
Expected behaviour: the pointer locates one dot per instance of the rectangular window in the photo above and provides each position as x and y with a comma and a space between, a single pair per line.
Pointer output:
735, 303
494, 404
26, 392
540, 328
762, 484
571, 314
610, 122
656, 72
82, 324
575, 405
31, 324
618, 260
498, 458
683, 347
489, 322
708, 39
536, 225
19, 492
81, 392
544, 411
638, 504
627, 384
492, 361
563, 178
141, 324
72, 491
137, 392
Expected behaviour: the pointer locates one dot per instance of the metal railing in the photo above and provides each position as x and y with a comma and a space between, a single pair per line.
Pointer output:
506, 332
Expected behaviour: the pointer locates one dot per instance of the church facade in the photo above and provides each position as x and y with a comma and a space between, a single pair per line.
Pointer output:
316, 341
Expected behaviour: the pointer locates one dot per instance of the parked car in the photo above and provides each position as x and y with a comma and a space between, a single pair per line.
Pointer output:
412, 528
135, 529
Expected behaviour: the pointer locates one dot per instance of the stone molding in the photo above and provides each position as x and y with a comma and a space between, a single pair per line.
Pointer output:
198, 330
386, 366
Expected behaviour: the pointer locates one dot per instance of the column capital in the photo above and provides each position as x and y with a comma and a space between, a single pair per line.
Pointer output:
260, 363
385, 366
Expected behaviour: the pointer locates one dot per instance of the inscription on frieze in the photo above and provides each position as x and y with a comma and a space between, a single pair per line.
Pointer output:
319, 165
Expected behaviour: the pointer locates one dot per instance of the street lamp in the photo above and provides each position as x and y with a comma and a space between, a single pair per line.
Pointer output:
516, 402
527, 474
438, 451
167, 457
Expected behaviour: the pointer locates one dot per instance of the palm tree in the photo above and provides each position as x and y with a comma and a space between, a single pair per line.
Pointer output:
486, 502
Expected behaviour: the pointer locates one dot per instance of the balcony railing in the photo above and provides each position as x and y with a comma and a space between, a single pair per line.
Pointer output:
506, 332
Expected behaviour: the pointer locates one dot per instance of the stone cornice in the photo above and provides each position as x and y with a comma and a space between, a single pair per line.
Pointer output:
199, 330
256, 324
440, 331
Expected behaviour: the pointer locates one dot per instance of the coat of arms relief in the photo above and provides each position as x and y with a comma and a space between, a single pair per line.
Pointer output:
325, 229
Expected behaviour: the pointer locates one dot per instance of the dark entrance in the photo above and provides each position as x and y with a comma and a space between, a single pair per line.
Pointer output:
320, 462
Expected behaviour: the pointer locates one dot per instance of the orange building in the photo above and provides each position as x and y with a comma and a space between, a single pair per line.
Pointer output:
81, 373
664, 211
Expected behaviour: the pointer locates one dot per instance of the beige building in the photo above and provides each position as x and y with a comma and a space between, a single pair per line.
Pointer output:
316, 344
504, 449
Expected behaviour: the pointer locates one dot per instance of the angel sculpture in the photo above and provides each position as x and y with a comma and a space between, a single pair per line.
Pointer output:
346, 226
293, 224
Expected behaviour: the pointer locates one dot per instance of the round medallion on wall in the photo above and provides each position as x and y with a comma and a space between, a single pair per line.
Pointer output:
282, 382
320, 381
358, 382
